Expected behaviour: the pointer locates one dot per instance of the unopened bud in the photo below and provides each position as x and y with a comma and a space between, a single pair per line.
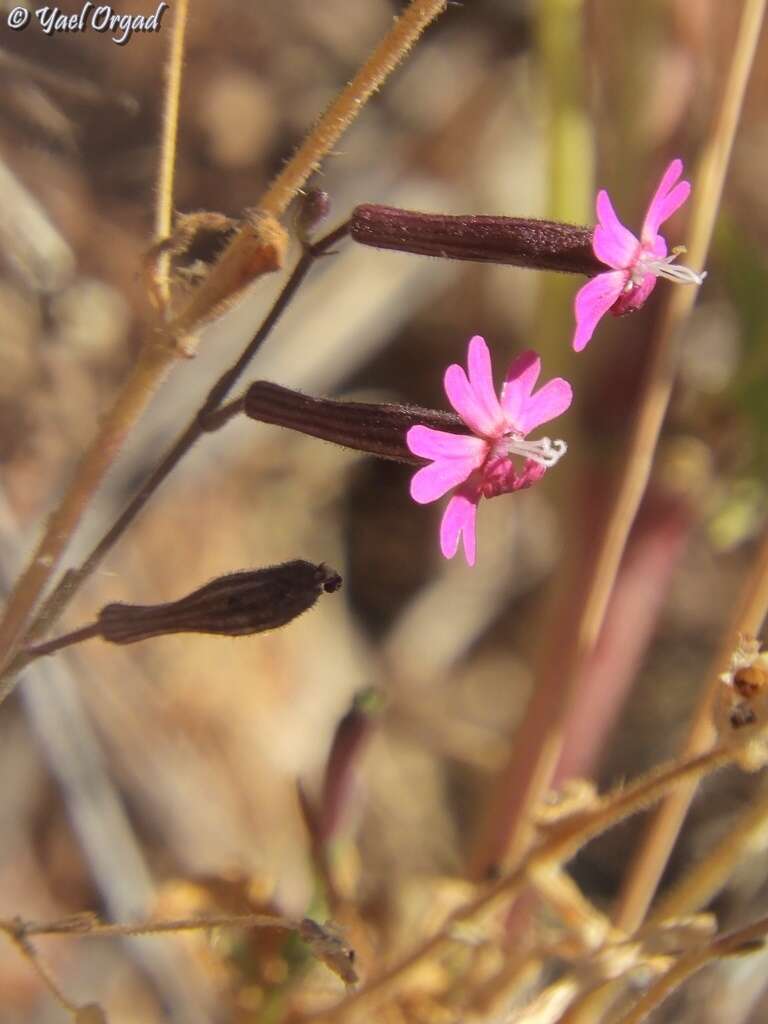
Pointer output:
234, 605
314, 208
376, 428
350, 740
515, 241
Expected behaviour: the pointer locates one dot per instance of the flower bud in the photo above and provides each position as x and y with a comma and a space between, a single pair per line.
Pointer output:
376, 428
234, 605
516, 241
313, 208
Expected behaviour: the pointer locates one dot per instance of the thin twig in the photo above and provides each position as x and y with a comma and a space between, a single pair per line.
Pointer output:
739, 943
527, 776
701, 882
209, 417
168, 146
646, 868
90, 927
151, 368
18, 936
161, 352
324, 941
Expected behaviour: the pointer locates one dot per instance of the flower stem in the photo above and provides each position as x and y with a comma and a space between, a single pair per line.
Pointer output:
511, 241
373, 427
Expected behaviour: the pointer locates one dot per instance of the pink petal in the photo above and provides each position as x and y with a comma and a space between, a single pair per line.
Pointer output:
464, 400
593, 301
630, 301
658, 247
481, 380
550, 401
436, 479
459, 520
519, 383
612, 242
666, 200
438, 444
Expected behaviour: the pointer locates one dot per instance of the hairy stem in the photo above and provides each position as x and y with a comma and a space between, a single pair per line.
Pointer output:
345, 108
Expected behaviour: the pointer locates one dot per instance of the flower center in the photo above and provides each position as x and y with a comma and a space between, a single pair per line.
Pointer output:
544, 451
664, 268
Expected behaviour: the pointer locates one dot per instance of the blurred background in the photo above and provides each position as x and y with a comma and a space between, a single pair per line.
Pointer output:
166, 776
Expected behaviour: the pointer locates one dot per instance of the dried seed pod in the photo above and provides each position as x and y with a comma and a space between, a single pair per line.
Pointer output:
376, 428
514, 241
235, 605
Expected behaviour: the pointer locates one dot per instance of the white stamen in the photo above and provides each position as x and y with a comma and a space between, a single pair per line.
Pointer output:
543, 451
676, 272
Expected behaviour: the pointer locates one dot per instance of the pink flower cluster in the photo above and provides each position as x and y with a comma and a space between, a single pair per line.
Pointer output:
636, 263
480, 464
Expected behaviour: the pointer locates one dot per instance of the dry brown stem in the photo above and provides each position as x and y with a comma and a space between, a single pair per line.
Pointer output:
559, 845
739, 943
645, 871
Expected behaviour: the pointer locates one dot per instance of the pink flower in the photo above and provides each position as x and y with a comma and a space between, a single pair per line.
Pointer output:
636, 263
480, 465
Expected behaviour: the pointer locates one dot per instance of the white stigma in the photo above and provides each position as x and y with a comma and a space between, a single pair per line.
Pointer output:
544, 451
